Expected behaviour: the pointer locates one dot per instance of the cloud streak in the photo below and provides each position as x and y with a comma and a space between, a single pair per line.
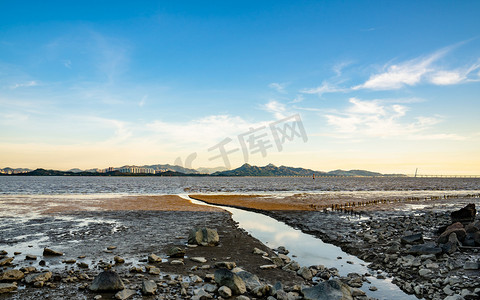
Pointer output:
420, 70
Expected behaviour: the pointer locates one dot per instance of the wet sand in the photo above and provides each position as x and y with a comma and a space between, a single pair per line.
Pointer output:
136, 227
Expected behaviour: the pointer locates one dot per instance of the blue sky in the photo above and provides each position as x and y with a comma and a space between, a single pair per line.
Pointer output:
380, 85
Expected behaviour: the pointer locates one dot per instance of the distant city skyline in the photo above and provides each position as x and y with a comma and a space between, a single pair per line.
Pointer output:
385, 86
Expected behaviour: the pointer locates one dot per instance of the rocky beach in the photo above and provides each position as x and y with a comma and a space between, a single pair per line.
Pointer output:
165, 247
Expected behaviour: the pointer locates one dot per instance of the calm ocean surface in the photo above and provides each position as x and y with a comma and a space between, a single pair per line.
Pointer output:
46, 185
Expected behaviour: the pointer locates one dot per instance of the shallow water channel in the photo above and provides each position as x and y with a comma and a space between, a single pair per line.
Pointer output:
309, 250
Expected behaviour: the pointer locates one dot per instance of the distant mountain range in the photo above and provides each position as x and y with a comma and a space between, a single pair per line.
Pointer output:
171, 170
272, 170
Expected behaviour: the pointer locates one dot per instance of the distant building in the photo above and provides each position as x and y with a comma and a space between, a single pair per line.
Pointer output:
136, 170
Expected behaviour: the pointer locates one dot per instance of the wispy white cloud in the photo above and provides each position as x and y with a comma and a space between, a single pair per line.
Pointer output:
338, 68
276, 108
67, 63
143, 101
299, 98
326, 87
375, 118
24, 84
419, 70
279, 87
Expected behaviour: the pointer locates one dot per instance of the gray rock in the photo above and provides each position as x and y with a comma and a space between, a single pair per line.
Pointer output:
125, 294
154, 258
7, 287
176, 252
262, 290
259, 252
425, 273
118, 260
198, 259
412, 239
457, 228
328, 290
149, 287
225, 292
305, 273
204, 237
454, 297
292, 266
225, 264
251, 281
233, 281
242, 298
470, 265
32, 278
424, 249
50, 252
6, 261
107, 281
11, 275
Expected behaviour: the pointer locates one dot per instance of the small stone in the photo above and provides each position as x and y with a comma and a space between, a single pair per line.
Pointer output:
30, 257
412, 239
11, 275
204, 237
149, 287
177, 262
154, 271
32, 278
7, 287
470, 265
225, 264
225, 292
266, 267
125, 294
82, 265
70, 261
118, 260
259, 252
50, 252
107, 281
154, 258
6, 261
111, 247
198, 259
231, 280
305, 273
38, 284
97, 297
176, 252
372, 288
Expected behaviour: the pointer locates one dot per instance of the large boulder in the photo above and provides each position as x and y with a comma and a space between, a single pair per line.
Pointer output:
107, 281
464, 215
224, 277
204, 237
328, 290
456, 228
